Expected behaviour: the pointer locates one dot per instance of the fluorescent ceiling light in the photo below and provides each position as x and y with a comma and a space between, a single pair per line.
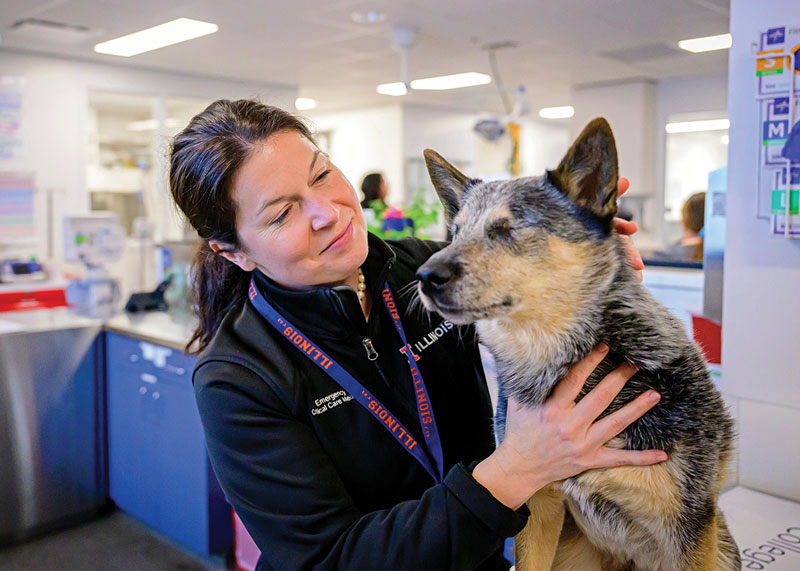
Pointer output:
695, 126
304, 103
442, 82
557, 112
398, 88
370, 17
707, 44
173, 32
454, 81
152, 124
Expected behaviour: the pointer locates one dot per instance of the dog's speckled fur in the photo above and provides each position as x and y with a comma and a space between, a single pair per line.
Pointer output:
535, 264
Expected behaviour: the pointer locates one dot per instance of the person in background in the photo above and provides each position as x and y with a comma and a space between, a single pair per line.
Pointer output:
374, 187
344, 431
690, 246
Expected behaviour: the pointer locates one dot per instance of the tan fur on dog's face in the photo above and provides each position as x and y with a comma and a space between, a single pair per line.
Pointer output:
543, 286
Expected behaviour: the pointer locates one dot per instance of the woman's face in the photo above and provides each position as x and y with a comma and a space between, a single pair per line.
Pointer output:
298, 218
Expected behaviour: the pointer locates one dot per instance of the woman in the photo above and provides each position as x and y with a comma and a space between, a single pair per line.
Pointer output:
374, 187
690, 247
297, 301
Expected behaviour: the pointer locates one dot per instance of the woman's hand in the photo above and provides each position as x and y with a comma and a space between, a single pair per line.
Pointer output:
561, 439
626, 229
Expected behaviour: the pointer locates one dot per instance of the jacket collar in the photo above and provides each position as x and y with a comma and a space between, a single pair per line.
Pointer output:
331, 312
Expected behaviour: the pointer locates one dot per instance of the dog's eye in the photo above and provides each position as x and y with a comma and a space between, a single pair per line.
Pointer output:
500, 230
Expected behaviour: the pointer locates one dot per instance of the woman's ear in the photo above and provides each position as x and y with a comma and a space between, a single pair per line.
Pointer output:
232, 254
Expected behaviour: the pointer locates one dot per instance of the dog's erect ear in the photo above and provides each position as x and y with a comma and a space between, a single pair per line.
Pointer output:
448, 181
588, 173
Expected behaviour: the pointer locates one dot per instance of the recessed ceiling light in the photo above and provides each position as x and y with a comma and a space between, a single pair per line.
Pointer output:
706, 44
305, 103
160, 36
557, 112
369, 17
397, 88
455, 81
696, 126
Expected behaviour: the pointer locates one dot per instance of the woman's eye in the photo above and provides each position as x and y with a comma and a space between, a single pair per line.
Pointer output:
323, 175
282, 217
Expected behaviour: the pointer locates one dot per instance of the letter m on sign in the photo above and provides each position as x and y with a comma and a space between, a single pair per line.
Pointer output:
775, 130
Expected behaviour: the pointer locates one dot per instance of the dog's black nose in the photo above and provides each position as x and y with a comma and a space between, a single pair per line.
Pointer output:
434, 277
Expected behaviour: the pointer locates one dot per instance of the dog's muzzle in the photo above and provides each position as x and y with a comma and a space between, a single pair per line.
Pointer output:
435, 275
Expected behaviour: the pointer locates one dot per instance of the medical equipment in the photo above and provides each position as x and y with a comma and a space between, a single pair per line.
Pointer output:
94, 240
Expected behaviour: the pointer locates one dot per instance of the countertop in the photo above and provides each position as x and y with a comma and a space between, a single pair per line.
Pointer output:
167, 328
44, 320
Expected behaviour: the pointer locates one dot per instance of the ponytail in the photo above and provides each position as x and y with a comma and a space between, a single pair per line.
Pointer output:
219, 286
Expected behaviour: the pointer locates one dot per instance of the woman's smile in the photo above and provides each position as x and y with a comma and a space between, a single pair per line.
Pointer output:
341, 239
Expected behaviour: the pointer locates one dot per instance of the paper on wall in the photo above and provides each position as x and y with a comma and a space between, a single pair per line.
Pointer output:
778, 203
766, 529
11, 117
775, 74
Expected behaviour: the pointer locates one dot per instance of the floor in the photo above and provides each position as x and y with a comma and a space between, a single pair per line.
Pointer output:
112, 542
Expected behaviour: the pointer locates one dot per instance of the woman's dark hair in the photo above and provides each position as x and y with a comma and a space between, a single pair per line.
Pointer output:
371, 188
204, 160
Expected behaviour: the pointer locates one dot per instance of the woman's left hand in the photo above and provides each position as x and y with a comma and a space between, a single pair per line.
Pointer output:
626, 229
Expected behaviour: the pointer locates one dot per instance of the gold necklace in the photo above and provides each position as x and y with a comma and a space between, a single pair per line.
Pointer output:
362, 286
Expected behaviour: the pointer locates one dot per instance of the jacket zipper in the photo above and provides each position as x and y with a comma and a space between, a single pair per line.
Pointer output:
372, 355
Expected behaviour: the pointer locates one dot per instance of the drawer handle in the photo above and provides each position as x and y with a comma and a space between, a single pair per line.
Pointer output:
133, 358
176, 370
142, 390
148, 378
156, 395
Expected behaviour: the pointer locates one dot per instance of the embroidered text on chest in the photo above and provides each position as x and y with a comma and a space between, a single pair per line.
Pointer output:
429, 339
330, 401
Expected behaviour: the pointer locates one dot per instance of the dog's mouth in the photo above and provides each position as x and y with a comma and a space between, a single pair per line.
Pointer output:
463, 314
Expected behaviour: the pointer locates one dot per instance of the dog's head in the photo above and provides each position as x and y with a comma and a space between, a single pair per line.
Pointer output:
528, 249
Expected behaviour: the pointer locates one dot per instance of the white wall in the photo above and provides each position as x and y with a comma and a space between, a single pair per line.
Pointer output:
543, 145
447, 131
631, 111
761, 307
55, 120
364, 141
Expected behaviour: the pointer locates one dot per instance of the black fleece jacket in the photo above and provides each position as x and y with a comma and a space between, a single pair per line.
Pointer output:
316, 479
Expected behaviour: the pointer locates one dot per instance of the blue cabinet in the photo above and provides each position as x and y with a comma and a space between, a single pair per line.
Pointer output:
158, 467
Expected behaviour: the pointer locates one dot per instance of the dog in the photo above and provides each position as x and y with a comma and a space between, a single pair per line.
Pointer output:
536, 265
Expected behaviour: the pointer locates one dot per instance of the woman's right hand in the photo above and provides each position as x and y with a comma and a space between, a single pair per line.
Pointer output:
561, 439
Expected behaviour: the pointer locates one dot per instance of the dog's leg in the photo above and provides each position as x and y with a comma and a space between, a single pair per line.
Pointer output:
535, 546
575, 552
728, 558
629, 512
716, 550
706, 554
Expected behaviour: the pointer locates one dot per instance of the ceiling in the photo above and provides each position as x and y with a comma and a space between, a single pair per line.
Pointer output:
316, 45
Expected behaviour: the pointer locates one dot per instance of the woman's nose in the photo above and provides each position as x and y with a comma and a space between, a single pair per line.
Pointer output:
323, 213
